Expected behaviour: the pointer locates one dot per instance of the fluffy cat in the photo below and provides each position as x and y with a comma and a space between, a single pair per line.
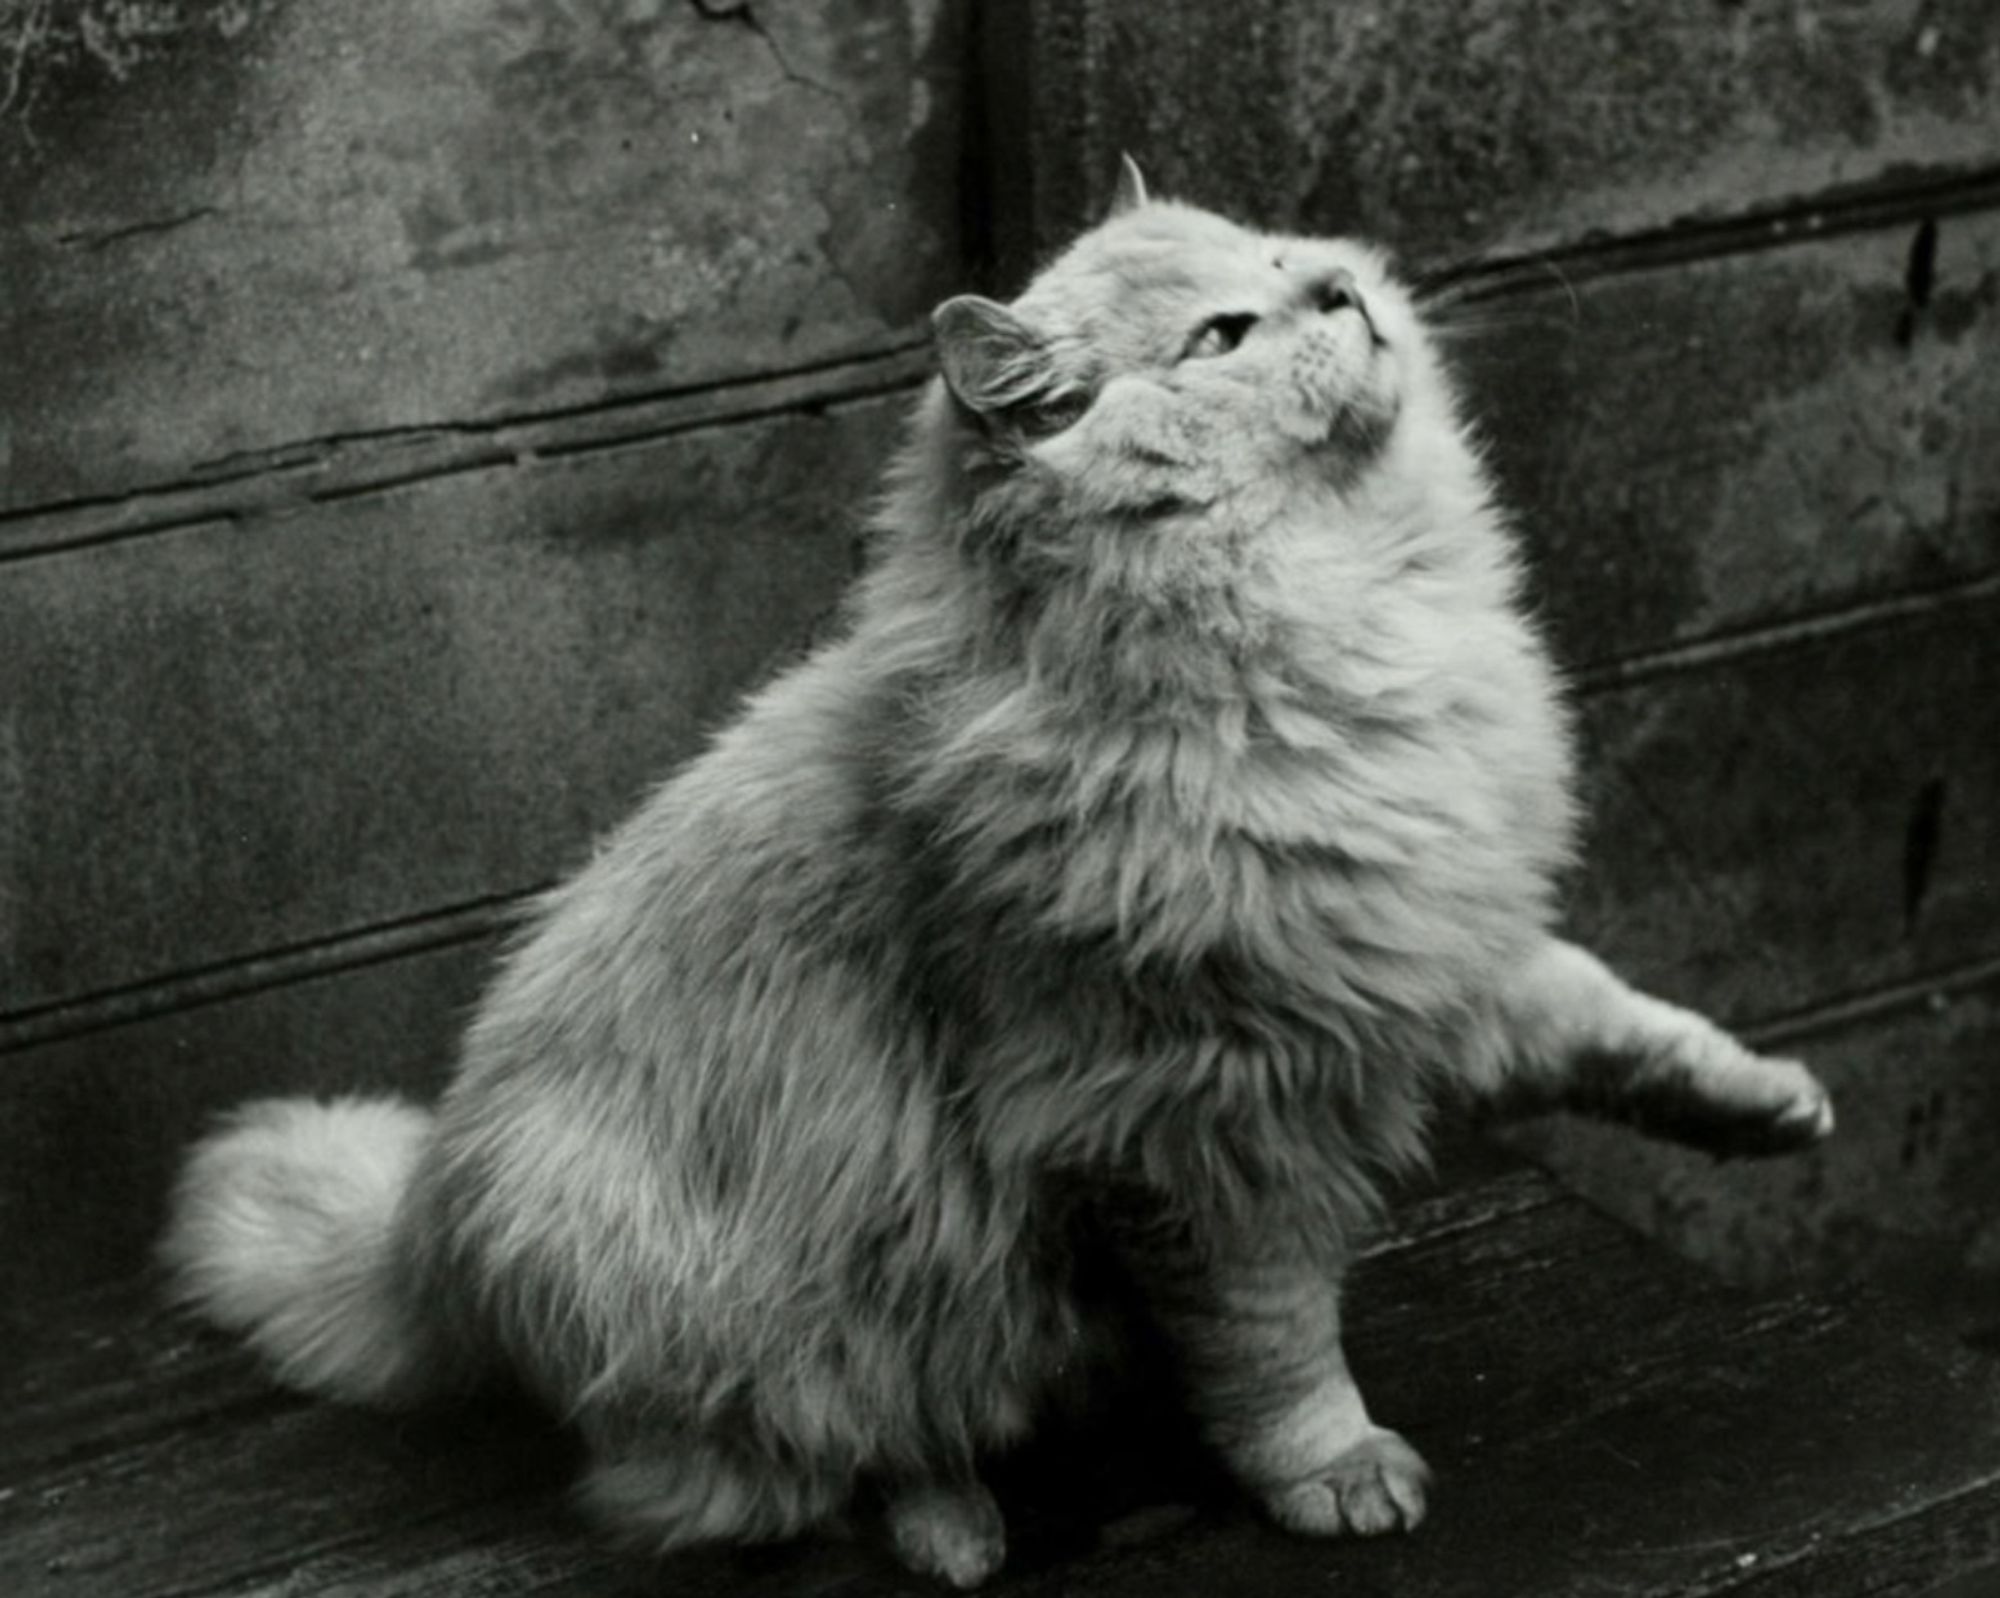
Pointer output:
1175, 819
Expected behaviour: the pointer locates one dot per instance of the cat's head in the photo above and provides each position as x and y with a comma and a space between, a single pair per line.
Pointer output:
1173, 366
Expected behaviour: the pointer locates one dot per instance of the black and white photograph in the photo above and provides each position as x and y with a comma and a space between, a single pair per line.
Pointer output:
1078, 798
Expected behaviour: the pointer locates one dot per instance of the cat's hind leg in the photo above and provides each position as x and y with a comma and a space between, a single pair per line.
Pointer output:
1566, 1034
676, 1492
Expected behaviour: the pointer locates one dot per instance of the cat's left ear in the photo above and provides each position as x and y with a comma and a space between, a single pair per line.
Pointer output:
992, 360
1131, 191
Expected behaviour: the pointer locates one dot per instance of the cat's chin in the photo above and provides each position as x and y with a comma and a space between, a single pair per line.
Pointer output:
1347, 432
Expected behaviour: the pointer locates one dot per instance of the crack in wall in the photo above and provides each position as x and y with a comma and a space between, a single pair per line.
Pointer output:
89, 239
742, 13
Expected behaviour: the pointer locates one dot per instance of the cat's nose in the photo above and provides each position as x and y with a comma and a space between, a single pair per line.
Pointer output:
1334, 290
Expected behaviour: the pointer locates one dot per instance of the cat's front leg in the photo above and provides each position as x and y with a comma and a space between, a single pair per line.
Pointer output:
1255, 1330
1564, 1033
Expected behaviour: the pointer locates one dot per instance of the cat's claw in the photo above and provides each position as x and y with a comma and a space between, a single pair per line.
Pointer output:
1786, 1111
1380, 1484
1807, 1120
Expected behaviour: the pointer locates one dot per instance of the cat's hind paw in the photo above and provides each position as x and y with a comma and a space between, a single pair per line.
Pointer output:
953, 1532
1380, 1484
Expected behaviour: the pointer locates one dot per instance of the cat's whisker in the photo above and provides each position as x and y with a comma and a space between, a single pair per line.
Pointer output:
1482, 299
1444, 285
1481, 282
1568, 288
1486, 322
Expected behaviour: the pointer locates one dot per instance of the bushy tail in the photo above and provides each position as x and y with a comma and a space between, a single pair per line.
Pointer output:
283, 1230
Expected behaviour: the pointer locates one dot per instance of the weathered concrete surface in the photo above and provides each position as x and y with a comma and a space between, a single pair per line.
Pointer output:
1604, 1424
1780, 829
1906, 1192
1442, 127
332, 219
243, 735
96, 1125
1730, 442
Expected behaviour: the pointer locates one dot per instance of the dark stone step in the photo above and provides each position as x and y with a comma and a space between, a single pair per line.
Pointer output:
1605, 1423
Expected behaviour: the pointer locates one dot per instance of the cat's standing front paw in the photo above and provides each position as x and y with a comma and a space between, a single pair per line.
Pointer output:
1380, 1484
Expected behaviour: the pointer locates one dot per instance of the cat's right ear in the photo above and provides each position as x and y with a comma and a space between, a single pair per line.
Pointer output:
992, 360
1131, 191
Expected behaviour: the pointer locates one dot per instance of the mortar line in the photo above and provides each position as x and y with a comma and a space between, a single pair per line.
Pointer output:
1772, 637
1875, 205
373, 463
238, 977
1937, 989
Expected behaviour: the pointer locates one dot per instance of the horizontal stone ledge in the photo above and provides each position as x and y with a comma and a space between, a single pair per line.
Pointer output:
316, 471
1607, 676
338, 952
1520, 1339
1912, 194
1932, 991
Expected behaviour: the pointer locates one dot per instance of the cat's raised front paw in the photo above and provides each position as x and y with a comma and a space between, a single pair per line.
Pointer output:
1763, 1106
1378, 1485
1807, 1115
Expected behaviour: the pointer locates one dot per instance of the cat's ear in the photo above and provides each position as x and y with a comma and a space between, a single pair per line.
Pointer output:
992, 360
1131, 191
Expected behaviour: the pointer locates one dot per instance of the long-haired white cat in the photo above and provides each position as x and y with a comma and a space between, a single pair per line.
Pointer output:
1174, 819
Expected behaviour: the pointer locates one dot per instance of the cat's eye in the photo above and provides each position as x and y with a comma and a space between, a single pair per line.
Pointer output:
1219, 335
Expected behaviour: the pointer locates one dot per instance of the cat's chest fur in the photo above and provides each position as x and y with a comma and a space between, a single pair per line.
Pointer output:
1366, 825
1239, 927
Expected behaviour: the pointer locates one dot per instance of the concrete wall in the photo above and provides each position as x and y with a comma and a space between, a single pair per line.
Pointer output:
417, 423
1741, 374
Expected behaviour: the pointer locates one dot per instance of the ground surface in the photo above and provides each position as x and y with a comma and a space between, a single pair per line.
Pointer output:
1604, 1422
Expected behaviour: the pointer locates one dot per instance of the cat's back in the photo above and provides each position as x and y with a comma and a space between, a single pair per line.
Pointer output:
757, 843
701, 1058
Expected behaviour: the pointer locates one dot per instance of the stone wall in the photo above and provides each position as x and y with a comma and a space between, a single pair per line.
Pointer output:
418, 424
